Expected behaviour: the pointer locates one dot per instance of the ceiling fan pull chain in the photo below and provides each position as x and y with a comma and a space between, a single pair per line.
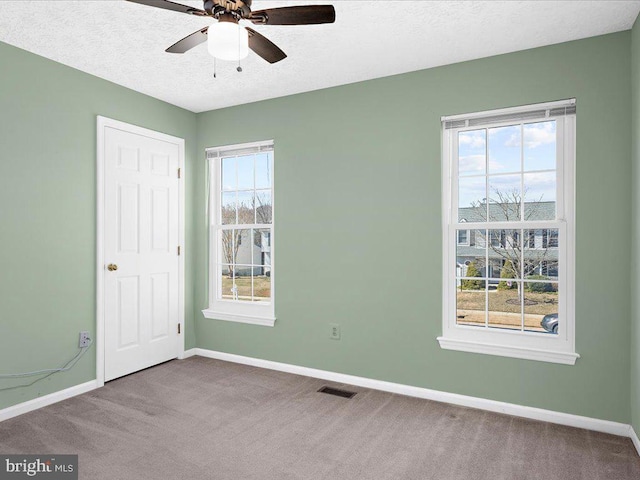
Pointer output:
239, 55
215, 74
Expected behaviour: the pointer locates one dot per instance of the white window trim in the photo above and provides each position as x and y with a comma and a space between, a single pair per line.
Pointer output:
251, 313
544, 347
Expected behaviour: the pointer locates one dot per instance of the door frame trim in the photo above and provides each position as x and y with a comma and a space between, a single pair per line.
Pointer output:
102, 123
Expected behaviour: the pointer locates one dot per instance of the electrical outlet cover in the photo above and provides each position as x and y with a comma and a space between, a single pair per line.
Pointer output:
84, 340
334, 331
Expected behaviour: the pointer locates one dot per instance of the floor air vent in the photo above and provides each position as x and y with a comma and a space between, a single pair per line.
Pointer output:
337, 392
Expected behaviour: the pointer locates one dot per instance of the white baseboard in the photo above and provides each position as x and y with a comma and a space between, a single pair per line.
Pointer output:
187, 354
634, 438
40, 402
605, 426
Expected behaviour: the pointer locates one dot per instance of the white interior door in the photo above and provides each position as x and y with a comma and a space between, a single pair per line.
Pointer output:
141, 238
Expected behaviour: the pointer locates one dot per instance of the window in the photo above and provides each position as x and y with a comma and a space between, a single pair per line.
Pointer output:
241, 237
531, 239
508, 184
549, 238
463, 237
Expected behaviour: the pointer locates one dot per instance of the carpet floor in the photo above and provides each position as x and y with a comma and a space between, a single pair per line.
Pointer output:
206, 419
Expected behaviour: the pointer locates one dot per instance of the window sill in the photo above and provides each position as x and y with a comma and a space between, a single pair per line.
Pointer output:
235, 317
565, 358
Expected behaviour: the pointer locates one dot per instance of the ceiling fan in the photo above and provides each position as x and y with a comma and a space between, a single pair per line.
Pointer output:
228, 40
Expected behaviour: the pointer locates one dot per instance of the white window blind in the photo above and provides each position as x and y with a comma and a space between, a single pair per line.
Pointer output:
518, 114
237, 150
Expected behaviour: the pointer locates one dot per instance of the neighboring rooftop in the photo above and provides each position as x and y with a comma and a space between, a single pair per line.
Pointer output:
501, 212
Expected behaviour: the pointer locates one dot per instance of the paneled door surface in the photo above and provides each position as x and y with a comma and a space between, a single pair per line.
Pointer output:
141, 251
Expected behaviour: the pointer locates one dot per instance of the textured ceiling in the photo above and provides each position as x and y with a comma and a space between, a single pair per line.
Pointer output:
124, 42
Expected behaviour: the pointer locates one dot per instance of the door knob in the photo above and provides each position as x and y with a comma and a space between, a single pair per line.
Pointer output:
112, 267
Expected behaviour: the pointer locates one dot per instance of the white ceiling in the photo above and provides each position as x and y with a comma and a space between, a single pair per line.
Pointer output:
124, 42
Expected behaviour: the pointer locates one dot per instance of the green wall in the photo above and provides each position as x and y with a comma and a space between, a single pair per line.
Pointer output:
47, 211
358, 232
635, 275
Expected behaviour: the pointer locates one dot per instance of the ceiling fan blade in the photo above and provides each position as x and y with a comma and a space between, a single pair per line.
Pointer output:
176, 7
301, 15
265, 47
188, 42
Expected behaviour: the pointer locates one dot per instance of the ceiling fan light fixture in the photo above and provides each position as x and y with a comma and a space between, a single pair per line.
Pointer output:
227, 40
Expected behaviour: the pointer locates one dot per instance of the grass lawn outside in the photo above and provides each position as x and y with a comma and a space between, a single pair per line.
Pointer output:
505, 308
261, 288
